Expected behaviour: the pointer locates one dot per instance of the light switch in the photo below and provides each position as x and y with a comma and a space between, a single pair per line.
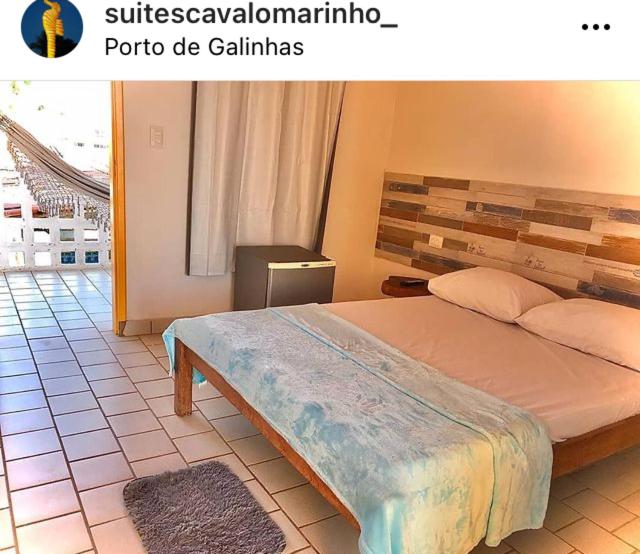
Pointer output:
156, 137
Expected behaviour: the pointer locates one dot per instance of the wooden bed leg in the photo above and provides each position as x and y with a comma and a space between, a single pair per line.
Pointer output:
182, 385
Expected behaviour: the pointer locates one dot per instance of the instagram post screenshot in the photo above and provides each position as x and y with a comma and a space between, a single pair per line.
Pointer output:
319, 277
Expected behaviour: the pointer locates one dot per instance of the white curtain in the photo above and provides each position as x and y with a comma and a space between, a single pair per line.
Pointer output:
261, 159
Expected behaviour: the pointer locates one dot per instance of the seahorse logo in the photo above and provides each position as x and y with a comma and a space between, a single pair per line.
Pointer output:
52, 28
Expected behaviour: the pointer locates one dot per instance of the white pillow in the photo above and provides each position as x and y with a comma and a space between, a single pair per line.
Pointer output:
605, 330
498, 294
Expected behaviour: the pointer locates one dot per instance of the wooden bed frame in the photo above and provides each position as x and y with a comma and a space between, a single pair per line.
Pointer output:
568, 456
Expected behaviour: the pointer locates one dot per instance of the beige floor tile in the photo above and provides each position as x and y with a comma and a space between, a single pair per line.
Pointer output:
100, 471
254, 450
630, 533
163, 406
117, 537
104, 504
613, 486
193, 424
4, 493
111, 387
30, 444
154, 466
333, 536
128, 347
631, 503
304, 505
6, 529
295, 540
58, 370
87, 445
80, 422
538, 541
559, 515
565, 486
21, 422
146, 445
205, 391
51, 356
588, 538
277, 475
502, 548
82, 334
22, 401
234, 427
65, 385
216, 407
96, 357
150, 340
19, 383
599, 509
146, 373
62, 535
89, 345
70, 403
155, 389
21, 367
262, 496
202, 446
136, 359
234, 463
37, 470
103, 371
55, 343
122, 404
158, 350
44, 502
133, 423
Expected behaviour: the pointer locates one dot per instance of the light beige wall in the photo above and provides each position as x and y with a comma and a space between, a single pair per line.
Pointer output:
156, 208
361, 159
580, 136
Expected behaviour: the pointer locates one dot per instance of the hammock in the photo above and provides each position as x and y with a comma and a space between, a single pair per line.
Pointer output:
56, 186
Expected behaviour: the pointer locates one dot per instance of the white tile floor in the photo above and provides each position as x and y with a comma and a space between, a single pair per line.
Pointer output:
83, 412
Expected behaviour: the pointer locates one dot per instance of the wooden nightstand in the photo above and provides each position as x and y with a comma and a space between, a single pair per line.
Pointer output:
392, 287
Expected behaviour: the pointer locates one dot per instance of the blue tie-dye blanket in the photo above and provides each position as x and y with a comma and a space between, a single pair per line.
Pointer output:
425, 463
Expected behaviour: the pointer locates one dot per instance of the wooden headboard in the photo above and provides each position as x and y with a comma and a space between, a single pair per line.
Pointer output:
578, 243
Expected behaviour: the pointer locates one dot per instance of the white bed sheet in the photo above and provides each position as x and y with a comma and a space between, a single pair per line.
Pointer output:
572, 392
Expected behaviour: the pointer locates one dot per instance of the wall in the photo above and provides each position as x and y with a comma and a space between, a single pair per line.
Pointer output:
156, 208
578, 136
363, 147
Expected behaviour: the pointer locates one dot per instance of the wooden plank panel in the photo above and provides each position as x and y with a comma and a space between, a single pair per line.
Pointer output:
565, 233
507, 189
404, 260
620, 249
404, 206
451, 204
396, 249
495, 209
498, 232
558, 219
399, 214
625, 215
404, 178
441, 182
393, 186
498, 221
553, 261
569, 283
398, 223
609, 294
440, 221
404, 197
553, 243
611, 227
571, 208
616, 282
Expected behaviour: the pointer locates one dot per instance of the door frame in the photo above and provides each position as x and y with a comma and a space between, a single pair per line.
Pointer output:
118, 212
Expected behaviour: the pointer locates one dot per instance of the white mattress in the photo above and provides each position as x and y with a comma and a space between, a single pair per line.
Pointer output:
572, 392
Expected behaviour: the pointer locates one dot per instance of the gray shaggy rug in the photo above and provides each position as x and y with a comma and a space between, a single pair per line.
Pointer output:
204, 509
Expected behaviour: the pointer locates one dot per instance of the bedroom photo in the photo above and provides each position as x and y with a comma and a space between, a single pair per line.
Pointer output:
319, 317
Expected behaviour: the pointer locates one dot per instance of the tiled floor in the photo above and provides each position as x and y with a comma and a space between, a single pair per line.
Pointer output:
83, 412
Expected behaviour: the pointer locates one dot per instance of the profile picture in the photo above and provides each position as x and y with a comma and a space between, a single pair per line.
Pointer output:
52, 28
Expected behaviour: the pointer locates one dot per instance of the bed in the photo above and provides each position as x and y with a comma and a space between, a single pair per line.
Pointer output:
586, 406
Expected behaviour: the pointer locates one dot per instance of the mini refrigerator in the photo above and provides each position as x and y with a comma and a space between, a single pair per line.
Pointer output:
269, 276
